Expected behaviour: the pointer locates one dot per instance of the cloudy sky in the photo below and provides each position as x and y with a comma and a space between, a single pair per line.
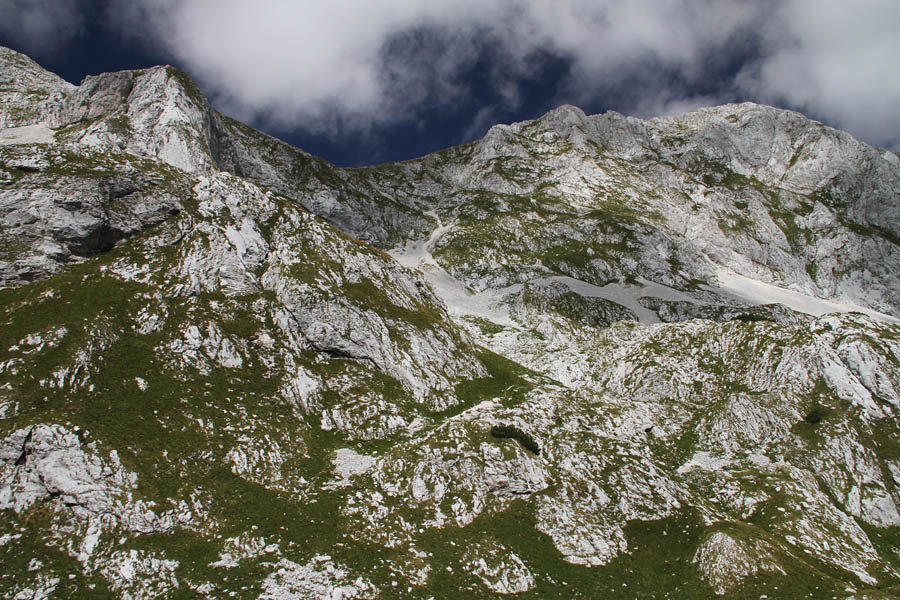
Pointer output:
364, 81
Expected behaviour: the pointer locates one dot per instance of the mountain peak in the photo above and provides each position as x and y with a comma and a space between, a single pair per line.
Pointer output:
576, 338
565, 114
19, 73
24, 86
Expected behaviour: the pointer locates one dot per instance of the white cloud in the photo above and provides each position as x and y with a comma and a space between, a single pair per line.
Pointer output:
357, 64
836, 60
312, 61
40, 27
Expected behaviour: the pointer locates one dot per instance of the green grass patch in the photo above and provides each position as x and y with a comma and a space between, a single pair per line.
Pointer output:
486, 326
870, 231
188, 85
366, 294
36, 526
812, 269
507, 380
658, 563
714, 173
569, 254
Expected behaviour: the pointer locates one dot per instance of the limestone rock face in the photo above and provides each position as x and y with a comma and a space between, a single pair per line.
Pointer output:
98, 96
536, 300
724, 561
25, 89
501, 571
52, 216
49, 462
231, 369
678, 310
746, 189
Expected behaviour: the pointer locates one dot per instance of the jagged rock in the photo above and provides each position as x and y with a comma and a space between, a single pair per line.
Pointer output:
50, 462
50, 219
556, 297
290, 394
446, 483
24, 89
671, 311
725, 560
141, 574
319, 579
500, 570
97, 96
372, 215
302, 263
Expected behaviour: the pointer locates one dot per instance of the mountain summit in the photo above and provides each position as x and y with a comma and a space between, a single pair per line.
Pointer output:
585, 356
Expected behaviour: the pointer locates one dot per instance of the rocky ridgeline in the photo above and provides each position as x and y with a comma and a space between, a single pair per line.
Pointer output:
762, 192
212, 385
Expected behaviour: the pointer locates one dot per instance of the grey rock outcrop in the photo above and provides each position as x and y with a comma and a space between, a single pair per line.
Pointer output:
762, 192
50, 462
189, 346
52, 217
724, 560
671, 311
535, 300
25, 88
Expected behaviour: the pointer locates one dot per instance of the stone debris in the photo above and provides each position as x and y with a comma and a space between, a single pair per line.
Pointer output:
293, 370
318, 579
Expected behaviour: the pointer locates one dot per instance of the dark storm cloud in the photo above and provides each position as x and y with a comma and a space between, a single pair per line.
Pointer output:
365, 64
41, 27
353, 66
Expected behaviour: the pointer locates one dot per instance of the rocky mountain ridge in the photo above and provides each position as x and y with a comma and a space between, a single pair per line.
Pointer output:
212, 385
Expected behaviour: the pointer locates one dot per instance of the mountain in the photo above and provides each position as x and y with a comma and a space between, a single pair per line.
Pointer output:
585, 356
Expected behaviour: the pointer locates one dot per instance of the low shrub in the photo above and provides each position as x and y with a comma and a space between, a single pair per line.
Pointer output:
815, 416
511, 431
